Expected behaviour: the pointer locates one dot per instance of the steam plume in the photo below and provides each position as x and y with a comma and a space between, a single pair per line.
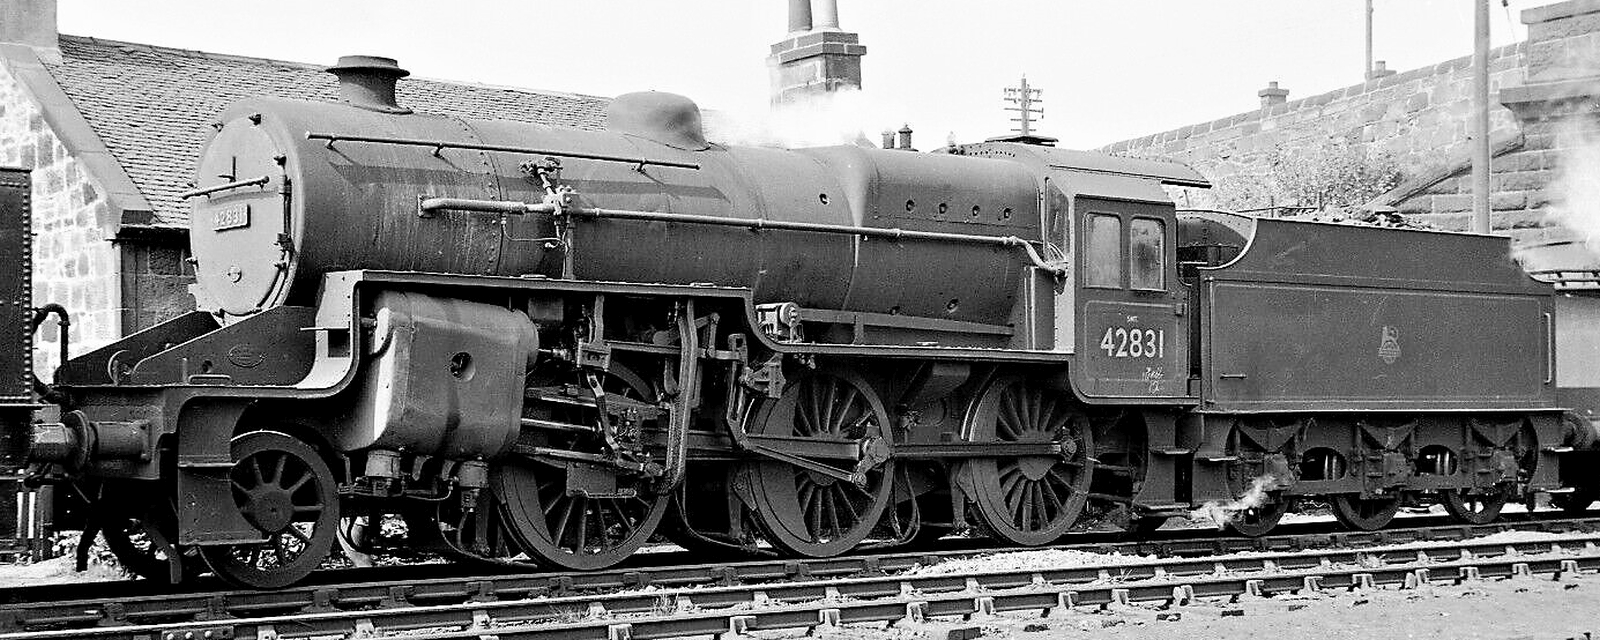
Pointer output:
845, 116
1219, 514
1575, 193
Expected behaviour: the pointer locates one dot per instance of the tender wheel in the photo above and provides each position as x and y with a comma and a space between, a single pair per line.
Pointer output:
1364, 514
1476, 508
575, 515
808, 512
1029, 500
284, 489
1257, 521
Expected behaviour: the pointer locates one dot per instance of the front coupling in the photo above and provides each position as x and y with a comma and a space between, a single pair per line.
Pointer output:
76, 441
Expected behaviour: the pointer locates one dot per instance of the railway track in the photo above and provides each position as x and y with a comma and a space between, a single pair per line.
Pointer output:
696, 595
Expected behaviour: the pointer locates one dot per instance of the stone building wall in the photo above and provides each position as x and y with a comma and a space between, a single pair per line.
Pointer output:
1419, 118
1558, 108
74, 263
156, 278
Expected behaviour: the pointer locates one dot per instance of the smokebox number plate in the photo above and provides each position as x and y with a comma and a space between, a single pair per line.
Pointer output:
232, 217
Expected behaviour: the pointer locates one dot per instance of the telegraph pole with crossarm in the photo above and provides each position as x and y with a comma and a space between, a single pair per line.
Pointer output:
1027, 99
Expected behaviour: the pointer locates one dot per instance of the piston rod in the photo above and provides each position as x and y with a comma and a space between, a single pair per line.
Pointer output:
431, 205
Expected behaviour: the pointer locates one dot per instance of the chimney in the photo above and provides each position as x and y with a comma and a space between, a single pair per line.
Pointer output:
888, 138
799, 16
1379, 70
826, 14
29, 22
817, 57
905, 138
368, 82
1273, 95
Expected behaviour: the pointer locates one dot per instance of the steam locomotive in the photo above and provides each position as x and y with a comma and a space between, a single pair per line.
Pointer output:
536, 345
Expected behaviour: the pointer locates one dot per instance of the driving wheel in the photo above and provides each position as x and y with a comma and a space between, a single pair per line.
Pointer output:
576, 515
1033, 499
815, 512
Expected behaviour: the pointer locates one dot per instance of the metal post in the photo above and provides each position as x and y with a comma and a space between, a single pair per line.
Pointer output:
1366, 73
1480, 120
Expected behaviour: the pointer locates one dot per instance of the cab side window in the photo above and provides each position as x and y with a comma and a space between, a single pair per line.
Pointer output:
1145, 265
1103, 251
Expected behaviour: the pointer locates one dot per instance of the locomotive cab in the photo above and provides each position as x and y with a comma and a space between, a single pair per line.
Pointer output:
1122, 307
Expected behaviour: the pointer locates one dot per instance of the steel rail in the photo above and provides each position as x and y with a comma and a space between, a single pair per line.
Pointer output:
48, 607
679, 612
64, 606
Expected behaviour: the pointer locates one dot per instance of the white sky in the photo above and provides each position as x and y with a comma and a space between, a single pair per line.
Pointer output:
1110, 69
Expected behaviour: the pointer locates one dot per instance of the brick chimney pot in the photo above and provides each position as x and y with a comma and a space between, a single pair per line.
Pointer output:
1272, 95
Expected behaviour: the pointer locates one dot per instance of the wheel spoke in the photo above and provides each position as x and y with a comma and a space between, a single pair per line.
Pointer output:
297, 533
1051, 499
583, 523
600, 522
559, 534
255, 465
624, 524
1017, 507
299, 483
548, 504
830, 407
1008, 423
818, 410
805, 422
832, 513
1047, 414
814, 512
1026, 408
849, 505
277, 472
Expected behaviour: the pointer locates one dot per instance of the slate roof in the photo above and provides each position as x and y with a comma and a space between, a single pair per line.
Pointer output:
153, 106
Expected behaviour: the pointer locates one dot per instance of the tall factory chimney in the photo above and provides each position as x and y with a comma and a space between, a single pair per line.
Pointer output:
817, 57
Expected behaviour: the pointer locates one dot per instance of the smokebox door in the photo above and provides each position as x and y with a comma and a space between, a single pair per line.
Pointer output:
240, 235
